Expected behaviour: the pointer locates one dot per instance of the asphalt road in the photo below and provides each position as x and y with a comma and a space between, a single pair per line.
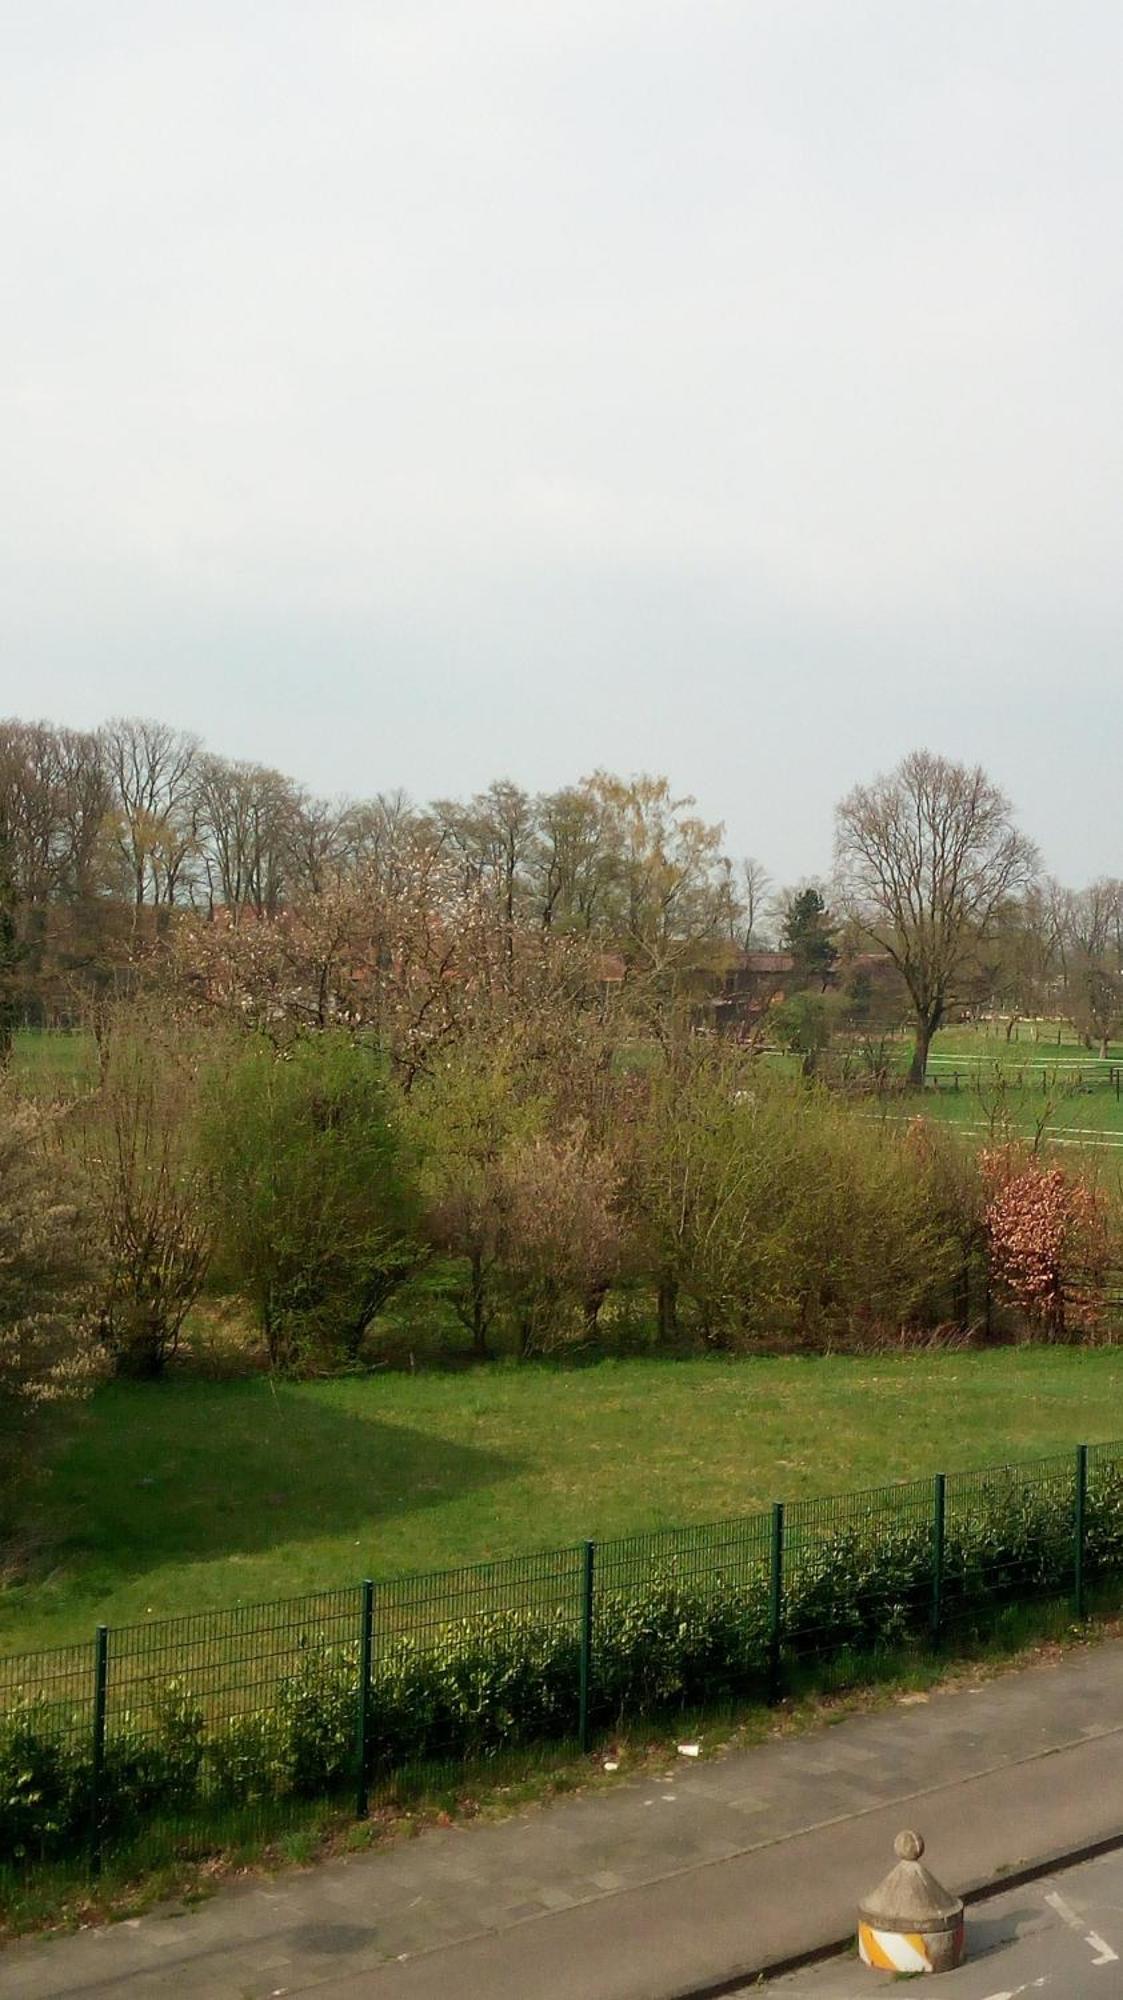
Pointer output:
1060, 1936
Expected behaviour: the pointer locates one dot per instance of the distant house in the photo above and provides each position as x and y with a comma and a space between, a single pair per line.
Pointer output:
869, 980
751, 984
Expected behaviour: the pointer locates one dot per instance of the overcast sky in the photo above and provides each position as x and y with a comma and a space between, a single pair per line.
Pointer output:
420, 391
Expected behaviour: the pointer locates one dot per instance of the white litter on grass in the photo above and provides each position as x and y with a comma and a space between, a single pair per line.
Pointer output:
611, 1765
690, 1749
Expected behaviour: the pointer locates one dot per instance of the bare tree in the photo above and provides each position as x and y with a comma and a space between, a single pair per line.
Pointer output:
381, 837
928, 858
247, 816
1095, 985
753, 887
152, 768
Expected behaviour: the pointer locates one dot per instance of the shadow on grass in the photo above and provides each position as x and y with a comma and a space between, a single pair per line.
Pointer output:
156, 1474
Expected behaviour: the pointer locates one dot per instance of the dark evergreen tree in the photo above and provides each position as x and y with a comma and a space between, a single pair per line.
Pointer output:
807, 935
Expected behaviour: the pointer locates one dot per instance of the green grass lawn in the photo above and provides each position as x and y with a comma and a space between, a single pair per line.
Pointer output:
1045, 1041
964, 1062
53, 1063
185, 1495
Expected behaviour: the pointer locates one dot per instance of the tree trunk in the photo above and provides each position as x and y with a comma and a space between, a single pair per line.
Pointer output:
479, 1307
963, 1297
918, 1067
1104, 1040
594, 1300
668, 1309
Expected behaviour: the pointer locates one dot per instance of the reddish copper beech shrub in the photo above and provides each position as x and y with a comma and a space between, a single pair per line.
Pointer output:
1047, 1237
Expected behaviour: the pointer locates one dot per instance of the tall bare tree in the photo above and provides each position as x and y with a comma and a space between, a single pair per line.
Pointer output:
247, 817
1095, 948
928, 857
750, 893
153, 771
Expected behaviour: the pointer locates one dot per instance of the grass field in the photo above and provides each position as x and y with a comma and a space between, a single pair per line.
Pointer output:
189, 1494
54, 1064
179, 1496
977, 1076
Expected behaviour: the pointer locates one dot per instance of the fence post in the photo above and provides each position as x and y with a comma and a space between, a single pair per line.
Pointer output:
939, 1509
362, 1712
588, 1565
97, 1760
775, 1599
1078, 1530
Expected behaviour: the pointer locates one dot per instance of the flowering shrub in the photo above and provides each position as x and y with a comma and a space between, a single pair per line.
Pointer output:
1048, 1241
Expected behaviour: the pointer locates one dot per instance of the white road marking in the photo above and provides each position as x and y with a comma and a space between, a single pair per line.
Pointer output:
1031, 1986
1092, 1939
1064, 1910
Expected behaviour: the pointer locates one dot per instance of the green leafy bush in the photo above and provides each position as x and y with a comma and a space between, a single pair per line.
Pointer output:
44, 1786
316, 1205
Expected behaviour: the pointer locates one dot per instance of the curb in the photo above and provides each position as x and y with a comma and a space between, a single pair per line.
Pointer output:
979, 1892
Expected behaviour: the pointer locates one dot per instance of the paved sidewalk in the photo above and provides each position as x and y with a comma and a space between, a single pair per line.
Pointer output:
661, 1889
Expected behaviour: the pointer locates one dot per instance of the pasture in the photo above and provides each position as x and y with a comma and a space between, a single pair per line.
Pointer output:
981, 1081
178, 1496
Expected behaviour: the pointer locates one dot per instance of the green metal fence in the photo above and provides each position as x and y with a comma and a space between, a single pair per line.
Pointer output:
189, 1731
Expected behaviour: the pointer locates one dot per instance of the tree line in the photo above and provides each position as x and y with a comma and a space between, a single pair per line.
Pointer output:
108, 838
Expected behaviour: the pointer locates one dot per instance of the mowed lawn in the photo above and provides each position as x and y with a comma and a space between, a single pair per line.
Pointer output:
180, 1496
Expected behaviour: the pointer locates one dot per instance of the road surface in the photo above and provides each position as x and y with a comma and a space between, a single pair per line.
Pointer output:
1061, 1938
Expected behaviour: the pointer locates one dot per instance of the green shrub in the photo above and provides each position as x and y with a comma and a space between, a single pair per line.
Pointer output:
44, 1785
247, 1759
316, 1721
316, 1209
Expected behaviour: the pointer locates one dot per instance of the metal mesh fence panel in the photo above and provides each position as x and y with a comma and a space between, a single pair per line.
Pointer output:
47, 1705
680, 1618
857, 1573
1103, 1522
1010, 1538
192, 1730
469, 1664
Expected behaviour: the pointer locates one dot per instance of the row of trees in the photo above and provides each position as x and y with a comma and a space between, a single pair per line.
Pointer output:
109, 839
556, 1190
142, 813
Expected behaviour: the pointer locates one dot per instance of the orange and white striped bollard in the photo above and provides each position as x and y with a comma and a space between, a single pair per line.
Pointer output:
911, 1923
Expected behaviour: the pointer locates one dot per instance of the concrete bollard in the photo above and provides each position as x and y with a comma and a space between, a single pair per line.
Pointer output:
910, 1923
